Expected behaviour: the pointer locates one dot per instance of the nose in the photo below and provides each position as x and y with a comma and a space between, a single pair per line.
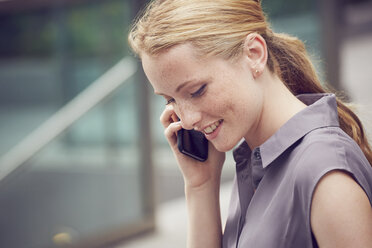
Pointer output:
189, 115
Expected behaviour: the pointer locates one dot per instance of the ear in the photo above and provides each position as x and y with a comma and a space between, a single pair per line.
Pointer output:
255, 50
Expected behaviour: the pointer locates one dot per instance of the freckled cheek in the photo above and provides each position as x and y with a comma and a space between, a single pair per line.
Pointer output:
223, 109
219, 106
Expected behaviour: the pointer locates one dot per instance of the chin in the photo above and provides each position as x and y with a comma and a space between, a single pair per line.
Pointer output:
225, 147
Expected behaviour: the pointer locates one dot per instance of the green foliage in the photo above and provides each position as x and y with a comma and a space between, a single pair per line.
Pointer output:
98, 29
92, 29
281, 8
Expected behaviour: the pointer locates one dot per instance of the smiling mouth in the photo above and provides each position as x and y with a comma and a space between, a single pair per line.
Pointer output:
211, 128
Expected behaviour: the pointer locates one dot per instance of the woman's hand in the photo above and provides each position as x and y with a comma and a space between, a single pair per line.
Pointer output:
196, 174
202, 184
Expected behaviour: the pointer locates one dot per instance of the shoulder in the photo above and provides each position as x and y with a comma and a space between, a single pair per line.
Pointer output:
341, 214
323, 151
327, 149
334, 182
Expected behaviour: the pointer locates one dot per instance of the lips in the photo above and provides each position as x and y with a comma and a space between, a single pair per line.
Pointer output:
212, 127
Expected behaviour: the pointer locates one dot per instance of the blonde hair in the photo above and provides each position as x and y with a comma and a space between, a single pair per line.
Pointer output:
219, 28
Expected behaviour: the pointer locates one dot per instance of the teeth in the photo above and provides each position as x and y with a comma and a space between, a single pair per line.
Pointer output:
212, 127
208, 130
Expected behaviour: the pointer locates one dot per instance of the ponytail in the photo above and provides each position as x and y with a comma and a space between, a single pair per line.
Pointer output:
289, 60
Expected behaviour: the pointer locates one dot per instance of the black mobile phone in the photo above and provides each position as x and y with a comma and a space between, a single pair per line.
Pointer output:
193, 143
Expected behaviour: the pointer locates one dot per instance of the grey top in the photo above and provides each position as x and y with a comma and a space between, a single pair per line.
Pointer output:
274, 183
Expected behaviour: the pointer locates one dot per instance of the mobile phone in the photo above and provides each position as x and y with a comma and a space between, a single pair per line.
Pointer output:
193, 143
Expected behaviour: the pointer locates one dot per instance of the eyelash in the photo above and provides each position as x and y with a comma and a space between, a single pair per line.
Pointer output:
170, 101
197, 93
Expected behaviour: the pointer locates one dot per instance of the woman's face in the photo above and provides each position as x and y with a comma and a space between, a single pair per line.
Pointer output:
218, 97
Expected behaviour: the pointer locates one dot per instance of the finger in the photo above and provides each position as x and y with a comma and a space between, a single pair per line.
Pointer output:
175, 117
171, 132
166, 117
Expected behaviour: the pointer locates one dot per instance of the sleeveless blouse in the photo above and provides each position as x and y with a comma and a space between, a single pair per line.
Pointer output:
274, 183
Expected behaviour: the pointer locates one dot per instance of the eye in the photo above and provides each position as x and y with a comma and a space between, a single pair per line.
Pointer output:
199, 92
170, 101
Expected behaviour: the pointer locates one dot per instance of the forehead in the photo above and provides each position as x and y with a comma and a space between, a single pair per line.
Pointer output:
177, 63
171, 57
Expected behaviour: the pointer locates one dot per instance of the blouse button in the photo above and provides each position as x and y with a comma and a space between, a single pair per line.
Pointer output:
257, 155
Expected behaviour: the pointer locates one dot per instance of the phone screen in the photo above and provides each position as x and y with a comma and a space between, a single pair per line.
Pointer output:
193, 143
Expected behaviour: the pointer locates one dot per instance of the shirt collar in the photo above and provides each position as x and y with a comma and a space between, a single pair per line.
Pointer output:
320, 112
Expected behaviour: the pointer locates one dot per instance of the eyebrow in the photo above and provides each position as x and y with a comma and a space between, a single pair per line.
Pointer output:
180, 86
184, 84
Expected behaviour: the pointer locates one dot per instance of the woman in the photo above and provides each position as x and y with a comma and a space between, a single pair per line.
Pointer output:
304, 177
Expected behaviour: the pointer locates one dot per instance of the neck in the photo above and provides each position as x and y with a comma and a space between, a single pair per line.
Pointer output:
279, 106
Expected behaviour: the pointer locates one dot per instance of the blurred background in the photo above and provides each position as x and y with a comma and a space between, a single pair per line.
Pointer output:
83, 161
